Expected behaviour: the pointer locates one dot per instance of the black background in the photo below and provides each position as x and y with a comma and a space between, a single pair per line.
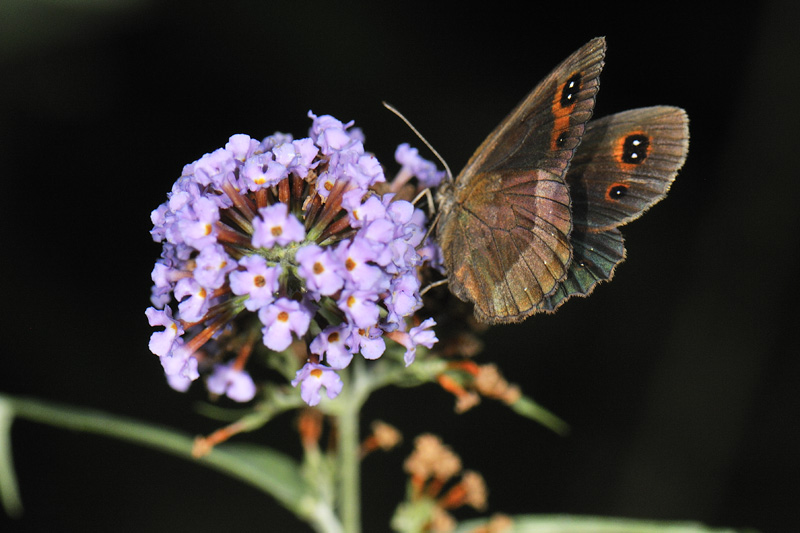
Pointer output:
679, 378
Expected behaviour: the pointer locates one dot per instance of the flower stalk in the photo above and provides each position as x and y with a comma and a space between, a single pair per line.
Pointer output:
349, 459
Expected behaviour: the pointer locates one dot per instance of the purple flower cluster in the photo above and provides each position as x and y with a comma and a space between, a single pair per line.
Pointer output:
281, 241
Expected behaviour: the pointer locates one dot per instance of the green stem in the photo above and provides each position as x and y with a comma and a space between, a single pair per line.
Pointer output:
349, 457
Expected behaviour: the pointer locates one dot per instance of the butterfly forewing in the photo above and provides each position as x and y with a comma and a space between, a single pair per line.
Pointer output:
544, 129
625, 164
505, 224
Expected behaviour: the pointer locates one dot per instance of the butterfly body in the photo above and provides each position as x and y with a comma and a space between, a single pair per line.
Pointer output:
532, 218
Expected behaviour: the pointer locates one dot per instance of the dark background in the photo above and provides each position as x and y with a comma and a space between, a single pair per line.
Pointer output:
679, 378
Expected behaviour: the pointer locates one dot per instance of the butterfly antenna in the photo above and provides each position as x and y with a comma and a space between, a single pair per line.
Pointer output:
391, 108
427, 192
429, 286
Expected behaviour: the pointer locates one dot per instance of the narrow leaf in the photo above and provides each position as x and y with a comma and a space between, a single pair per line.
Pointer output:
9, 490
591, 524
526, 407
266, 469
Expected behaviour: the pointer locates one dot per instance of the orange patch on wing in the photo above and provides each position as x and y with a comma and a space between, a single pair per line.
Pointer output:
561, 115
619, 148
617, 190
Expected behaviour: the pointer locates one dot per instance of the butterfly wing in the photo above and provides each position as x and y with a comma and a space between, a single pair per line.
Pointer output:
626, 164
506, 222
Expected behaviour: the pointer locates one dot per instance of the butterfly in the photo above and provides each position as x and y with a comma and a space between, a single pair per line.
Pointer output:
533, 218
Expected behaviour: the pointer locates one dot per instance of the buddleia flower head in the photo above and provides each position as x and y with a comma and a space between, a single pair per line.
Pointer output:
286, 242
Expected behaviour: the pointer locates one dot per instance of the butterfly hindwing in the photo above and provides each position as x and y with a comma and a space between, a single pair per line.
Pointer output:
506, 222
625, 164
595, 255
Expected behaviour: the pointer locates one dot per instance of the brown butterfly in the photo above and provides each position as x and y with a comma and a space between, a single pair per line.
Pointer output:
533, 218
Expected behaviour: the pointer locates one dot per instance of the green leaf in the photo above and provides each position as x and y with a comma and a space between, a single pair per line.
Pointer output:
9, 490
591, 524
266, 469
412, 517
526, 407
